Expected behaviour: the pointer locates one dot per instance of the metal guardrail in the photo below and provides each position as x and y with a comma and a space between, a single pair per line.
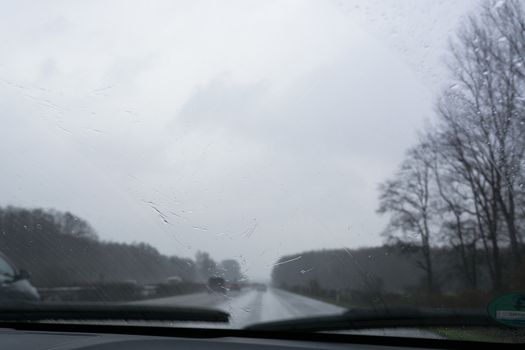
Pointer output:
116, 291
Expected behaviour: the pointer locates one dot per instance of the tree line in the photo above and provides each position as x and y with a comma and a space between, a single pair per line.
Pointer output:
462, 184
390, 268
61, 249
456, 204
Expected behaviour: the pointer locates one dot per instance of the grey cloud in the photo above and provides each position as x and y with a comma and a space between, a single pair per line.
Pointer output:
225, 131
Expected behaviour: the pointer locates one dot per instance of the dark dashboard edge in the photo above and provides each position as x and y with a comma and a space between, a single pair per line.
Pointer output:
207, 333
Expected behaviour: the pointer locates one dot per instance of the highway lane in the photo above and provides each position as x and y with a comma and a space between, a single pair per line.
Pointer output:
254, 306
250, 306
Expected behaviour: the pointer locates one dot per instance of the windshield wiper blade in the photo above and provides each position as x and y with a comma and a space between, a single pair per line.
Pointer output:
355, 319
31, 312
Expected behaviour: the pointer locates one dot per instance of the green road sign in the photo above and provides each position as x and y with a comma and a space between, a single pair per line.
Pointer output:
509, 309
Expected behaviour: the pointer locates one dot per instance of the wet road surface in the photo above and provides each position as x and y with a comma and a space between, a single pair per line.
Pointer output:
250, 306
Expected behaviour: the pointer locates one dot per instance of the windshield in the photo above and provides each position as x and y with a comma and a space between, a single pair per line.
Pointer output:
271, 159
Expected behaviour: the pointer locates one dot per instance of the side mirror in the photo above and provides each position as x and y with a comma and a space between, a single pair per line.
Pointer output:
22, 275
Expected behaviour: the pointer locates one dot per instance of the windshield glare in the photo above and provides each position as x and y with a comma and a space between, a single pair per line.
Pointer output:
6, 270
271, 159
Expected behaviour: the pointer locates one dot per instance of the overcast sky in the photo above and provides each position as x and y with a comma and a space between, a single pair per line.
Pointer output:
248, 129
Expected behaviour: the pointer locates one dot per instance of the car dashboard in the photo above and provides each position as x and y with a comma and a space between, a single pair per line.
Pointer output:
43, 337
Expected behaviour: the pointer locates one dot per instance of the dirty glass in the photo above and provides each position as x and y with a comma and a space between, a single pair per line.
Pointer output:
271, 159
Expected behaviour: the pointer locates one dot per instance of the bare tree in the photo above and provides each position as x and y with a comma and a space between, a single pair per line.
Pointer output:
205, 266
231, 270
479, 140
455, 206
407, 198
483, 117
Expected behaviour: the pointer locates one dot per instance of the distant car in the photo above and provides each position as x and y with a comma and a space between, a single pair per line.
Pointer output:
173, 280
235, 287
14, 283
261, 287
216, 284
